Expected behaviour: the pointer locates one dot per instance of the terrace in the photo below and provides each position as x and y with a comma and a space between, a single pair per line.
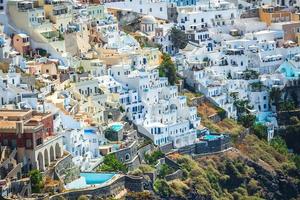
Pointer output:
52, 36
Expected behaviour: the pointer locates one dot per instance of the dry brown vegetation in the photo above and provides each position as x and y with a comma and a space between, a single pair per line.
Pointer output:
4, 67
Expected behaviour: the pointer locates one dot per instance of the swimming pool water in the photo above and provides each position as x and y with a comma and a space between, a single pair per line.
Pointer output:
96, 178
263, 117
211, 137
88, 179
116, 127
89, 131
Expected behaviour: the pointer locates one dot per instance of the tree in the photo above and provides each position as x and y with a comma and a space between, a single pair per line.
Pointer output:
80, 69
257, 86
111, 164
178, 38
247, 120
36, 180
162, 188
152, 158
275, 96
279, 144
241, 106
164, 171
260, 131
294, 120
167, 69
287, 105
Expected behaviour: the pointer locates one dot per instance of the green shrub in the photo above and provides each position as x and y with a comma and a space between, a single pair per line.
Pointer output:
111, 164
162, 188
36, 179
152, 158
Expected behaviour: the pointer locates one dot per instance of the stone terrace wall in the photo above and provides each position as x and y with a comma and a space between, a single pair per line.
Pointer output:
107, 191
132, 183
176, 175
204, 147
166, 148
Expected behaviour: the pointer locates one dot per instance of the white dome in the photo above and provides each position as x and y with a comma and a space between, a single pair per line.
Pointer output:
148, 19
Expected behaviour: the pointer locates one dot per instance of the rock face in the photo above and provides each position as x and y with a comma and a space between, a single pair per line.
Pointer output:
276, 185
236, 176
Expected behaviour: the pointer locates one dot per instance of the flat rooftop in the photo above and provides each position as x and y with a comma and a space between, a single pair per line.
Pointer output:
14, 113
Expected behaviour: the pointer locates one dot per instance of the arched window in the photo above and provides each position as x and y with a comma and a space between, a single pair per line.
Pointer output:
127, 156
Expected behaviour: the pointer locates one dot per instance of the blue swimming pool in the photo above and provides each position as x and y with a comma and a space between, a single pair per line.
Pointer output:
211, 137
116, 127
262, 117
89, 131
88, 179
96, 178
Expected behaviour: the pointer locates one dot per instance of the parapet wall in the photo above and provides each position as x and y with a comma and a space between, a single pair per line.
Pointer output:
131, 183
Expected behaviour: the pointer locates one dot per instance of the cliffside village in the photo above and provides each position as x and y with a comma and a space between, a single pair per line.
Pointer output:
77, 87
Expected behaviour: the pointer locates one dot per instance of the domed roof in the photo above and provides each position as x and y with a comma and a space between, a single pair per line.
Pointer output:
148, 19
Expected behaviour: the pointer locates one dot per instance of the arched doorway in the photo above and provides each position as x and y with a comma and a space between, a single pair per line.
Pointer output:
46, 155
52, 156
57, 150
40, 161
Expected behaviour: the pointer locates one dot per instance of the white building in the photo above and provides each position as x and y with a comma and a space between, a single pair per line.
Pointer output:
157, 8
208, 14
158, 111
84, 144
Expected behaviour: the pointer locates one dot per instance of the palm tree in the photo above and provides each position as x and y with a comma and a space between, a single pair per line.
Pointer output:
275, 96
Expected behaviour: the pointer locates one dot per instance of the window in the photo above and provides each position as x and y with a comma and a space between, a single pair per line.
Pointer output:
39, 141
28, 143
127, 157
160, 9
150, 9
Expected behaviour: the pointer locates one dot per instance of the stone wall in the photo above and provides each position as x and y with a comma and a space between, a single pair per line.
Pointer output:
134, 164
204, 147
17, 186
175, 175
178, 174
64, 167
166, 148
171, 163
190, 149
134, 183
141, 151
131, 183
15, 172
197, 100
127, 154
151, 175
107, 191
